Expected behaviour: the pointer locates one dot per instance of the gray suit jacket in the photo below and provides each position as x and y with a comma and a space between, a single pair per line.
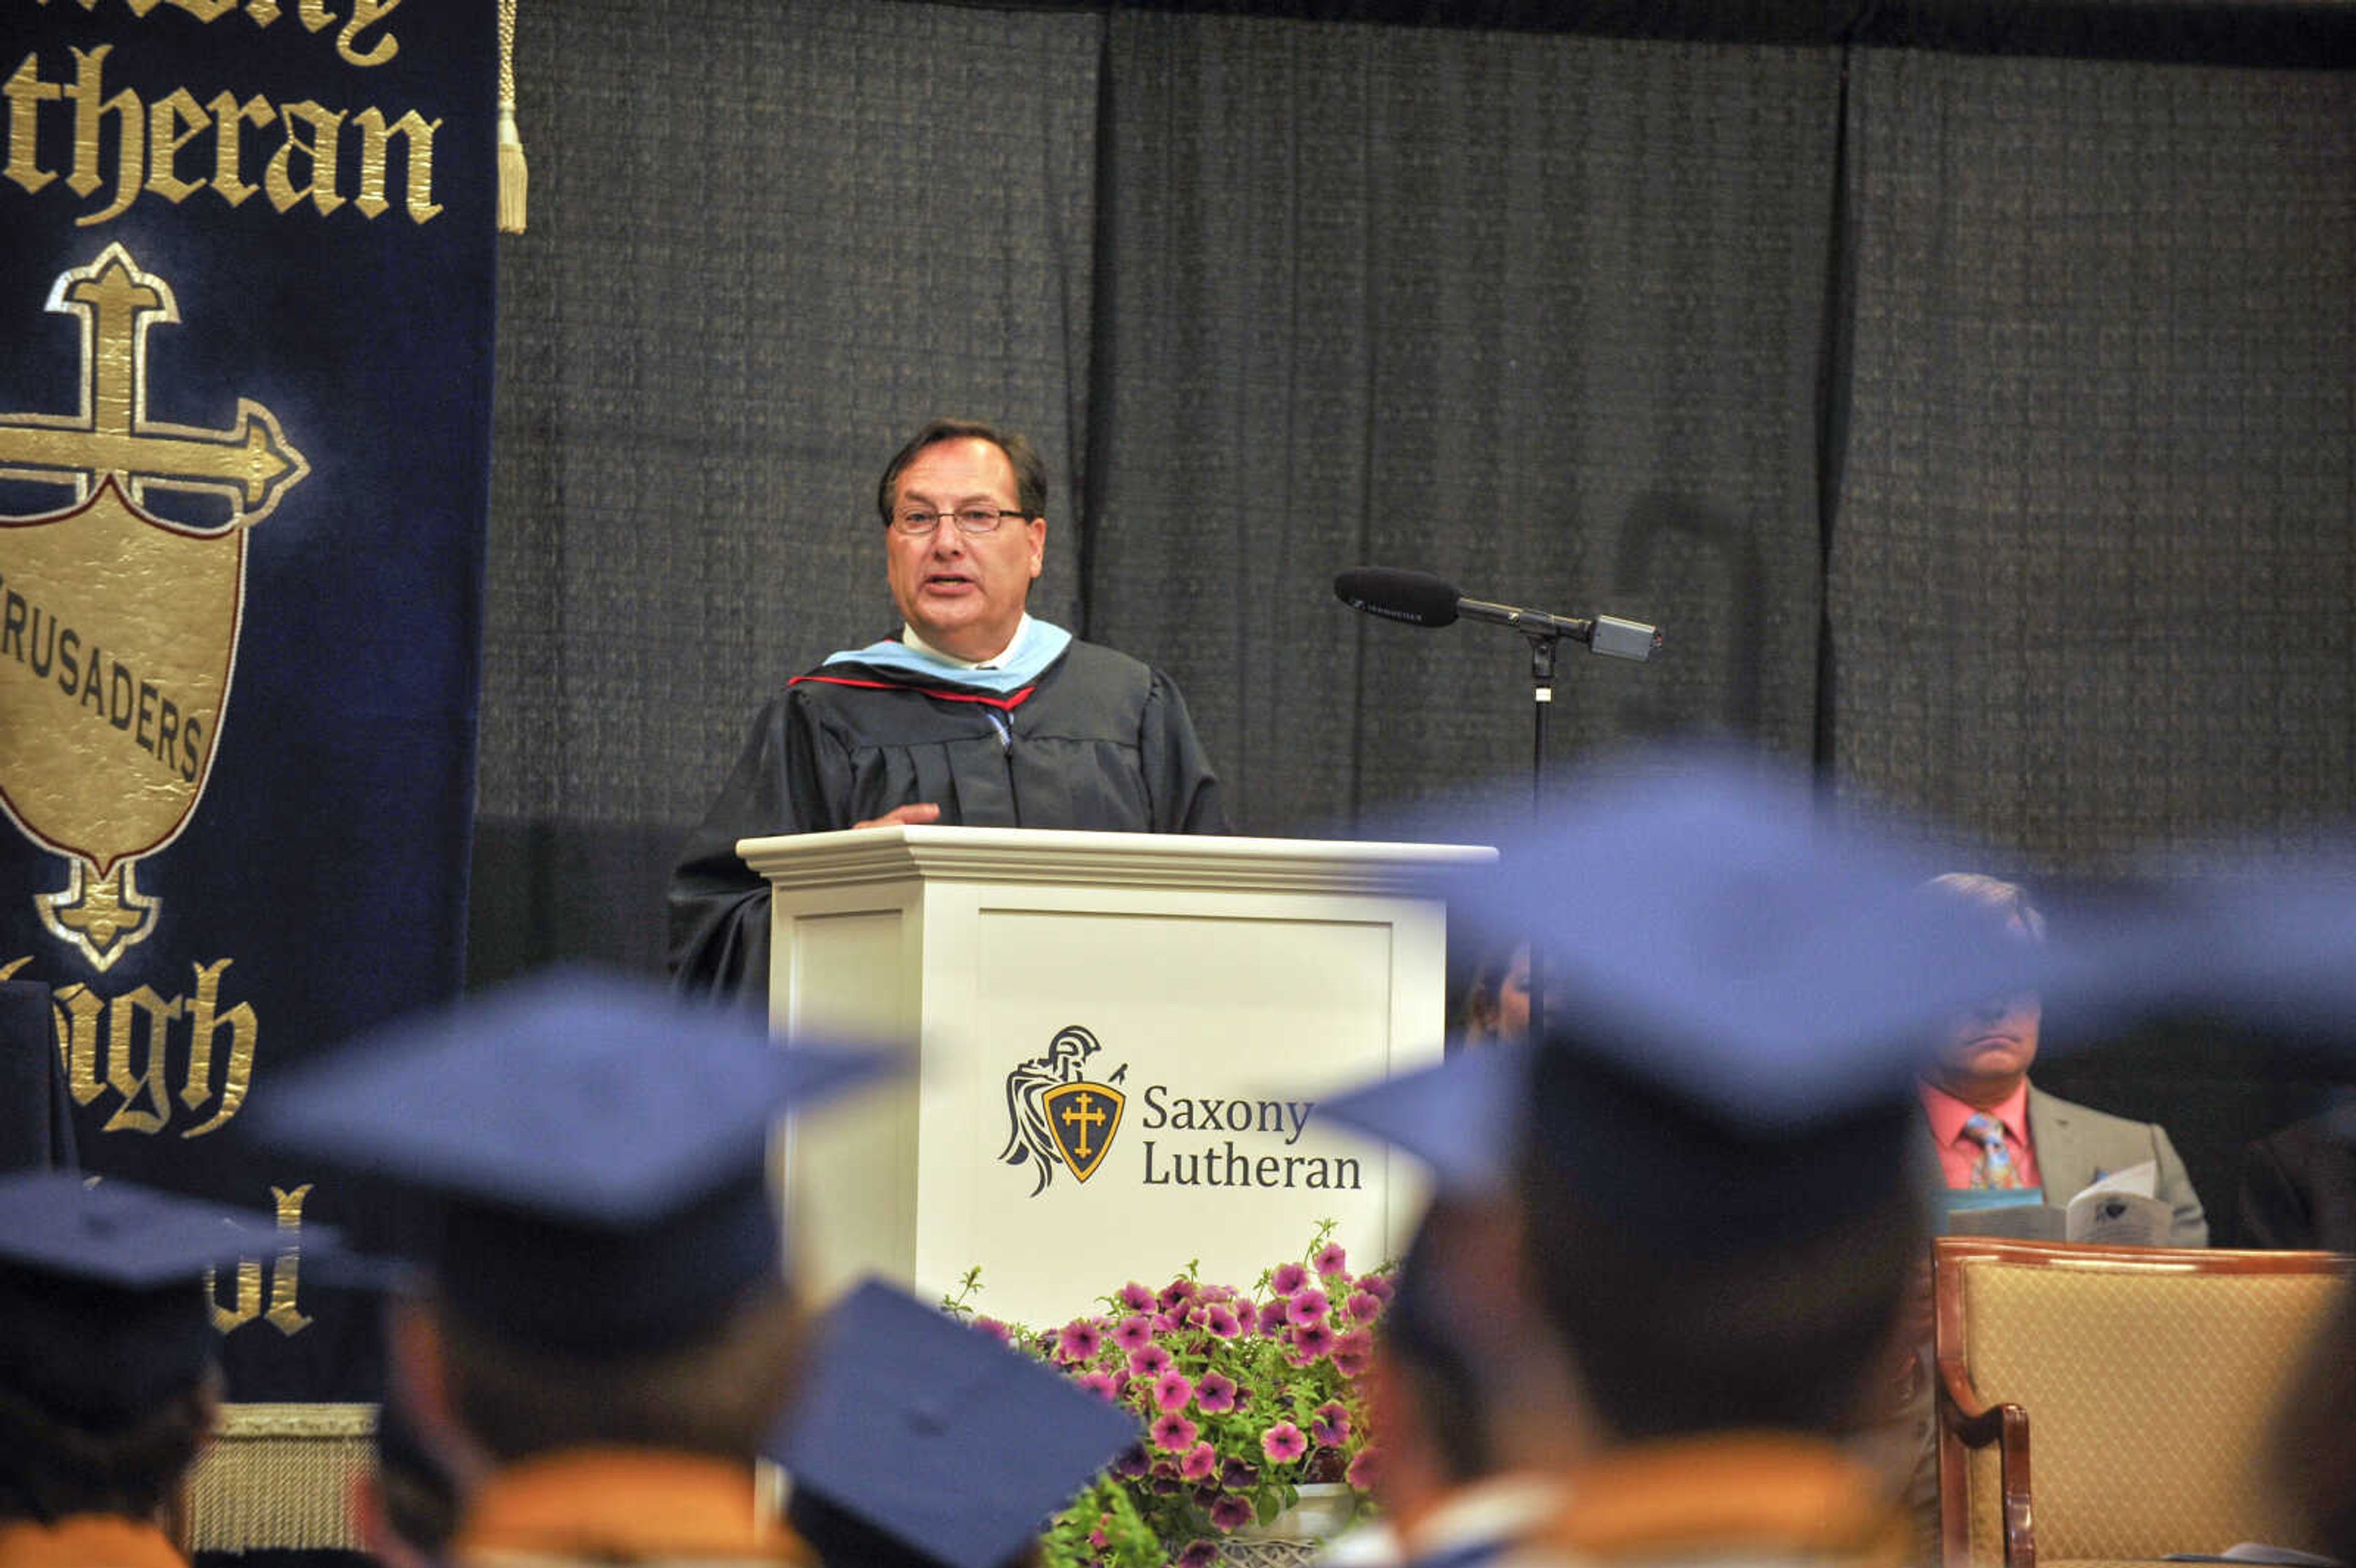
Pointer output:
2076, 1146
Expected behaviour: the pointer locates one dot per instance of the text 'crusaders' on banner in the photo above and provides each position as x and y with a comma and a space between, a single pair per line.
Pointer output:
246, 292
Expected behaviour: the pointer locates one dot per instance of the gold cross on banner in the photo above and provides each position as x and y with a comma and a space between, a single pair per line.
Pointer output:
251, 462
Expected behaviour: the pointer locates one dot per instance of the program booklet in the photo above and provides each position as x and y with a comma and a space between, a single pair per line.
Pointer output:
2119, 1208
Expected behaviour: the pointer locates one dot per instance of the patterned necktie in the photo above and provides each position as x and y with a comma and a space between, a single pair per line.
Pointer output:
1996, 1167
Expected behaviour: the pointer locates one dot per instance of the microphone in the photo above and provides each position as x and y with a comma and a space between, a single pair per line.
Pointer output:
1420, 599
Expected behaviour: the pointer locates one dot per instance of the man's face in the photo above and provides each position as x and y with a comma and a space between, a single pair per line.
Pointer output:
964, 596
1986, 1051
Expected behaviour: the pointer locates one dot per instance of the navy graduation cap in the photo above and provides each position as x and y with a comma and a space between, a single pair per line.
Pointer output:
928, 1434
2271, 945
1745, 990
593, 1149
1462, 1118
102, 1312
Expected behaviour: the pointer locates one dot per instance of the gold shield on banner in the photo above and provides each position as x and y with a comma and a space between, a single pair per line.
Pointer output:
119, 626
115, 654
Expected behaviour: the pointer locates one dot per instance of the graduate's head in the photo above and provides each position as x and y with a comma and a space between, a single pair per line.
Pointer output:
109, 1381
964, 529
604, 1263
716, 1392
1708, 1145
1706, 1273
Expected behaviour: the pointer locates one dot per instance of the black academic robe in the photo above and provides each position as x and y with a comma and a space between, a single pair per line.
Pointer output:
1098, 742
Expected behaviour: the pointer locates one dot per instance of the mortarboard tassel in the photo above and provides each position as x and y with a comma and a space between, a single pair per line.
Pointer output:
515, 175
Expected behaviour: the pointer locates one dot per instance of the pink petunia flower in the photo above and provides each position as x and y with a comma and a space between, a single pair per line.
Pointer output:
1215, 1394
1102, 1385
1366, 1469
1283, 1443
1363, 1307
1331, 1260
1199, 1462
1378, 1285
1271, 1316
1173, 1391
1176, 1291
1230, 1511
1330, 1425
1150, 1361
1133, 1332
1309, 1307
1310, 1341
1199, 1555
1174, 1433
1136, 1297
1097, 1539
1289, 1278
1132, 1464
1221, 1321
1352, 1351
995, 1329
1079, 1340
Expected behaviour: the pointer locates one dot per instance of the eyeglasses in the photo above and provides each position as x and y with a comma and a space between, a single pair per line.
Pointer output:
971, 522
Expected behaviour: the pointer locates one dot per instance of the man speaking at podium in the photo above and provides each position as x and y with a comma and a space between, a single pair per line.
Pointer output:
976, 714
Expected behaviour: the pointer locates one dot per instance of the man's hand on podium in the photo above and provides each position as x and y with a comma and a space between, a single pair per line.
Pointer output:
899, 814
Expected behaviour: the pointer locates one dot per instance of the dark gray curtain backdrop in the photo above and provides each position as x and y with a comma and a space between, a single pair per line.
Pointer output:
1980, 425
2093, 570
1541, 315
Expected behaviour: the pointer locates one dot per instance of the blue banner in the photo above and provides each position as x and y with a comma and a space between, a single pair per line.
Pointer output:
246, 294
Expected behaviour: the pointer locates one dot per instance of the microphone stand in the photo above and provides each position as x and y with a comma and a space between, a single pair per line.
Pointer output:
1542, 646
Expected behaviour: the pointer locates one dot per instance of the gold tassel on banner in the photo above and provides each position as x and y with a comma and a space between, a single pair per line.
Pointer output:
280, 1477
515, 175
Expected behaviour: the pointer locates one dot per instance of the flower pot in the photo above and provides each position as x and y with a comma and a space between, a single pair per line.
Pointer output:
1293, 1537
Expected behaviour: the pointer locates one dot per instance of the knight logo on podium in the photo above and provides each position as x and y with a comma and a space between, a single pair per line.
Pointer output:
1055, 1115
124, 624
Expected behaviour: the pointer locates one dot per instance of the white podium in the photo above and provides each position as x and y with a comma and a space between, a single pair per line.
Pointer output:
1144, 1022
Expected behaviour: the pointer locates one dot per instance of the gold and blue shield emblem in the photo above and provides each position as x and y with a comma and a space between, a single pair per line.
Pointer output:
1082, 1118
120, 622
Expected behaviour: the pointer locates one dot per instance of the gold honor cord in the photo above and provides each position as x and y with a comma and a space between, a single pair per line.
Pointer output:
515, 175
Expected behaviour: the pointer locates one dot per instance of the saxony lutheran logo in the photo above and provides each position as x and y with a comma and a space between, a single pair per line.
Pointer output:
1055, 1116
119, 626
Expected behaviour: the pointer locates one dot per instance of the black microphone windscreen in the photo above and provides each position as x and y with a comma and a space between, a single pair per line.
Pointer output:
1416, 597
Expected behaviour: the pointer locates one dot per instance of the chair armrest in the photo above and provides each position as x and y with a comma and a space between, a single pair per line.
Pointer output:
1969, 1417
1978, 1423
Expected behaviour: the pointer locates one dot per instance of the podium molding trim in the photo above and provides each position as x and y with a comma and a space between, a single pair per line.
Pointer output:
865, 856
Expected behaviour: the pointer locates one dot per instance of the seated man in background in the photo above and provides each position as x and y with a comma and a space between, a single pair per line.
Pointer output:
110, 1380
977, 713
607, 1328
1993, 1128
